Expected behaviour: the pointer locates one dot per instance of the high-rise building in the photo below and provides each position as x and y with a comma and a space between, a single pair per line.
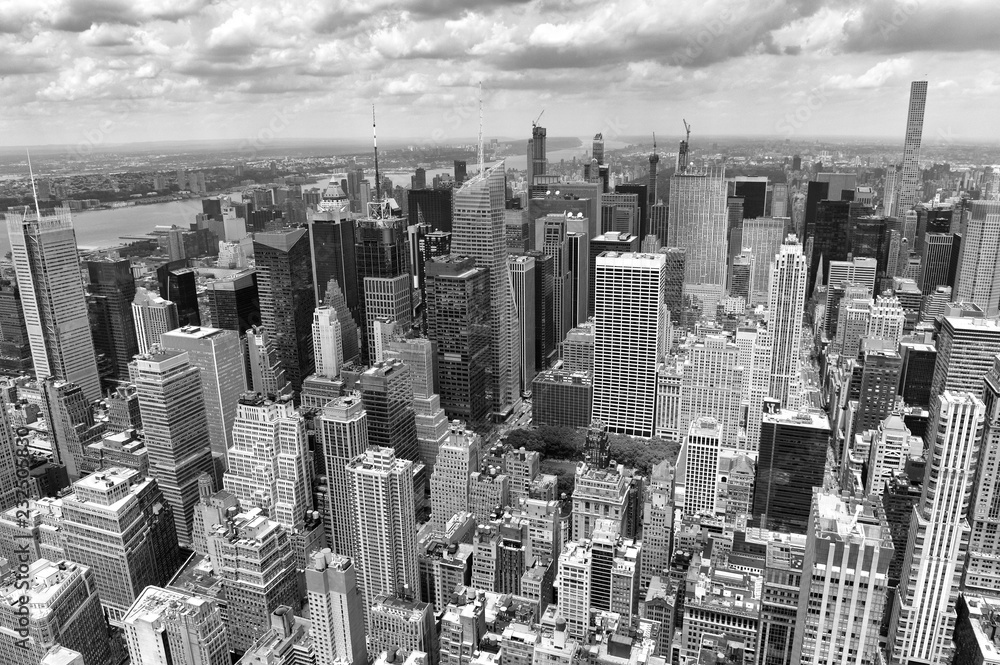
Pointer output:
712, 386
218, 355
328, 345
578, 264
403, 627
336, 609
268, 467
179, 284
965, 350
55, 310
287, 298
979, 273
388, 400
629, 339
522, 274
61, 607
174, 627
385, 521
923, 617
383, 265
848, 550
858, 271
153, 316
697, 480
981, 572
556, 245
879, 384
939, 261
459, 456
112, 282
458, 320
15, 347
252, 557
608, 242
71, 422
114, 523
479, 233
234, 302
332, 240
176, 429
698, 223
827, 239
909, 177
763, 236
431, 206
792, 460
786, 305
342, 429
741, 276
267, 376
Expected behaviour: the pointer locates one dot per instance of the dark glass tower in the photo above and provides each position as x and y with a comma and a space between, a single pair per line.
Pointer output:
287, 298
112, 282
458, 319
333, 242
829, 240
793, 452
15, 349
380, 250
430, 206
178, 284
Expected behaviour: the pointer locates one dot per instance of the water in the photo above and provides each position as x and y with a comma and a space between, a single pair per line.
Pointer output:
104, 228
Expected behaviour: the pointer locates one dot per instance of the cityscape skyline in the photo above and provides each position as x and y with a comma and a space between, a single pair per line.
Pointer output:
139, 72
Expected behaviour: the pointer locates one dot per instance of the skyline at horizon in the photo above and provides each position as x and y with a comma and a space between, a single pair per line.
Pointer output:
104, 72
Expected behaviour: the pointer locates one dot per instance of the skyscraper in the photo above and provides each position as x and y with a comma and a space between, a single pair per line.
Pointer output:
268, 467
478, 233
712, 385
383, 269
234, 303
112, 282
698, 466
981, 572
381, 489
965, 350
388, 399
165, 626
629, 339
786, 305
342, 428
179, 284
176, 428
331, 242
848, 551
578, 264
328, 345
458, 320
336, 609
763, 236
909, 177
218, 355
114, 523
459, 456
55, 310
923, 617
522, 274
556, 245
698, 223
287, 298
153, 316
979, 274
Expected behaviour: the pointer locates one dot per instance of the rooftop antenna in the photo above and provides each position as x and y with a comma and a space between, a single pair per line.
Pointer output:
378, 182
482, 166
654, 143
34, 192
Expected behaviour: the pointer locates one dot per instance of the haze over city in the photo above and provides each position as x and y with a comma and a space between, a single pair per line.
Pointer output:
158, 70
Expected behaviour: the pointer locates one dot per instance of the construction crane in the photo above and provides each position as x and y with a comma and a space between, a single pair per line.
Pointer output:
534, 123
687, 131
654, 142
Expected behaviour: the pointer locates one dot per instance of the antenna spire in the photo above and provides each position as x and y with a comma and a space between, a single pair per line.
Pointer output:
34, 192
482, 166
378, 181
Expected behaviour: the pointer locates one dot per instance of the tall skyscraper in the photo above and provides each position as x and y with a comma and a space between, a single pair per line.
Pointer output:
52, 298
64, 609
153, 316
909, 177
383, 274
287, 298
15, 347
478, 233
698, 466
629, 339
981, 571
923, 617
886, 320
698, 223
459, 456
388, 399
522, 274
579, 265
979, 272
879, 383
608, 242
556, 245
179, 284
342, 428
332, 243
786, 305
848, 551
234, 303
268, 467
763, 236
336, 609
172, 627
385, 522
115, 524
712, 385
965, 350
218, 355
458, 320
328, 345
112, 282
177, 436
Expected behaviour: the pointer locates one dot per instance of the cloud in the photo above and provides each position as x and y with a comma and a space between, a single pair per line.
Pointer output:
887, 71
900, 26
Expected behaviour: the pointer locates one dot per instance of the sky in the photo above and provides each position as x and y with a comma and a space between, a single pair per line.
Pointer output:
92, 73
